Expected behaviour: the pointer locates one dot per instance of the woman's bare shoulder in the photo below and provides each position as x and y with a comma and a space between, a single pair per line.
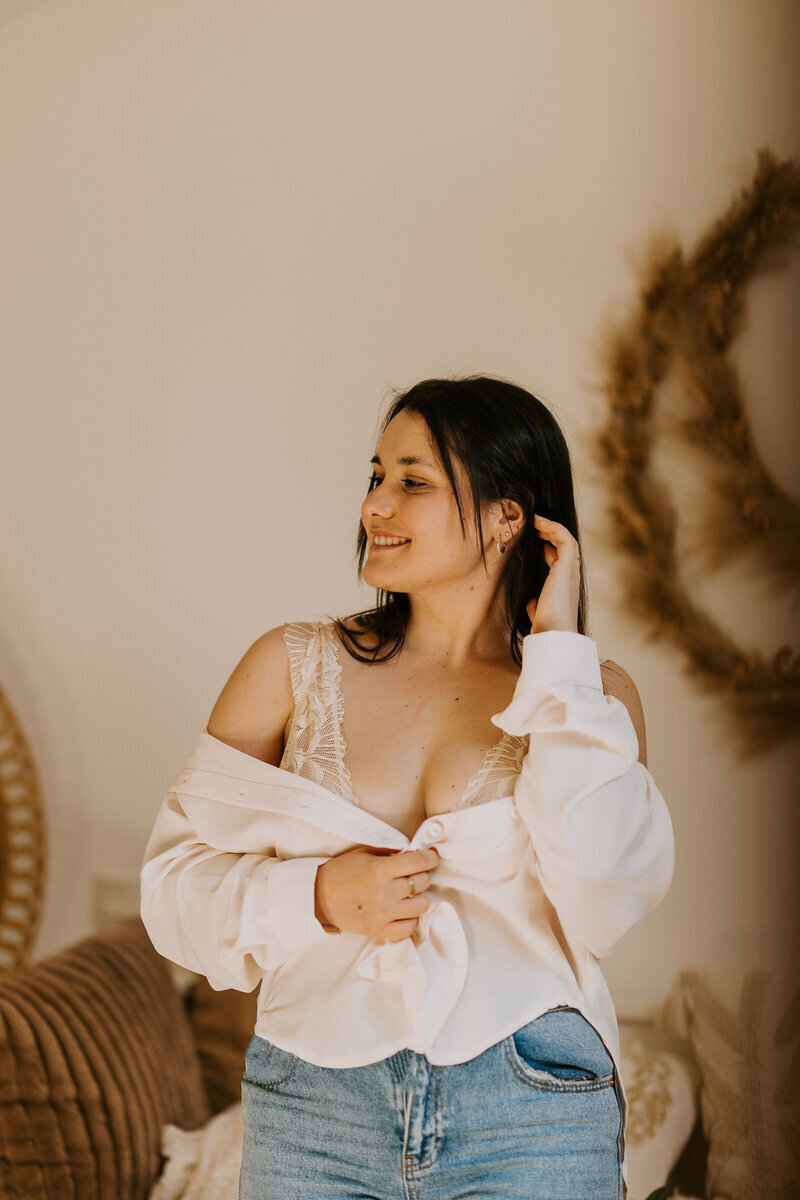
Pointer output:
618, 683
257, 701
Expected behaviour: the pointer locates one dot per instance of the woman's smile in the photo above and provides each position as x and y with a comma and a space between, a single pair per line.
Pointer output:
383, 540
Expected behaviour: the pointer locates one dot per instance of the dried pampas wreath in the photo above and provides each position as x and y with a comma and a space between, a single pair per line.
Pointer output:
689, 311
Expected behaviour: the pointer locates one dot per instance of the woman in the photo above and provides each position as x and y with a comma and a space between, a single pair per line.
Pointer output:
424, 904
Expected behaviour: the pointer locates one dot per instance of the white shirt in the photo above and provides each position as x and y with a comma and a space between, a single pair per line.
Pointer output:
530, 891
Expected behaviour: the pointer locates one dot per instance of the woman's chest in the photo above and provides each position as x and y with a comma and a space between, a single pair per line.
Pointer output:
415, 741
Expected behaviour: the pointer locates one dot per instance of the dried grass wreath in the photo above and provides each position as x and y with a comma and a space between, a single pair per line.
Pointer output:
688, 313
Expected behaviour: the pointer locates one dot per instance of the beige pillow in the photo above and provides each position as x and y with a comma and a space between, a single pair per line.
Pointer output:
661, 1082
744, 1029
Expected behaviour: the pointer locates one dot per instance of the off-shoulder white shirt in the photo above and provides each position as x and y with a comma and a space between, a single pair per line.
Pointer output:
532, 887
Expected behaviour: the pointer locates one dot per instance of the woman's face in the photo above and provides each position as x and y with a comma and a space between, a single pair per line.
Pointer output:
414, 535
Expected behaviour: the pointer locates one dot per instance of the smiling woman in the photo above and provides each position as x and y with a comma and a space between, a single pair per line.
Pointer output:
418, 828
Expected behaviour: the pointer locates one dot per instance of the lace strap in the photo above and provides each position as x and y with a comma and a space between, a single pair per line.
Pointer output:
332, 670
298, 637
314, 744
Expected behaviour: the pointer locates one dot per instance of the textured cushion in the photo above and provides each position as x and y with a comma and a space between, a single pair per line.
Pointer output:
660, 1081
96, 1055
222, 1024
744, 1029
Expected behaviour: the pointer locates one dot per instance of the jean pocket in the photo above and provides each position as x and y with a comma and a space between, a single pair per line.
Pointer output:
560, 1052
266, 1065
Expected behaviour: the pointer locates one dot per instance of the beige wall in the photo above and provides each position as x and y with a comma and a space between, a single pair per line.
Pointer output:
228, 226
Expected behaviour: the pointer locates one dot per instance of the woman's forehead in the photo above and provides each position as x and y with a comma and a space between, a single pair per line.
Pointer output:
407, 440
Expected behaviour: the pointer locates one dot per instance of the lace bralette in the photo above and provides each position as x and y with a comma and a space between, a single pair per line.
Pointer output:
315, 747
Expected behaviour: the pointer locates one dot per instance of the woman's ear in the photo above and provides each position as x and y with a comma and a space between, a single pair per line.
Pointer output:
512, 518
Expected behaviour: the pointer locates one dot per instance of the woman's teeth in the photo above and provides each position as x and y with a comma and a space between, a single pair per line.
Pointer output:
390, 541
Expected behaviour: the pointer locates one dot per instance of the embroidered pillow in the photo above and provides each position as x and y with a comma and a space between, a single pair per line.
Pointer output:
744, 1029
660, 1083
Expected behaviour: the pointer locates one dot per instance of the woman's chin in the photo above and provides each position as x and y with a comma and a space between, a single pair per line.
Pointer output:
387, 581
376, 578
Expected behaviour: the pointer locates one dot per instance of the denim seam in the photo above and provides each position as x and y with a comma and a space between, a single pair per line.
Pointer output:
410, 1178
436, 1149
557, 1087
274, 1083
394, 1067
409, 1181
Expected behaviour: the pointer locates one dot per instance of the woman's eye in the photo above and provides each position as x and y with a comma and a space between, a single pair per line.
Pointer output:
411, 484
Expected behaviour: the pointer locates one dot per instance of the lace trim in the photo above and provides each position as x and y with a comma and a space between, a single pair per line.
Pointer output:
498, 774
314, 746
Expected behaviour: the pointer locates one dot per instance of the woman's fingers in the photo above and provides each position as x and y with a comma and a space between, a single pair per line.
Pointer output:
398, 930
401, 886
556, 606
412, 862
413, 907
369, 892
558, 535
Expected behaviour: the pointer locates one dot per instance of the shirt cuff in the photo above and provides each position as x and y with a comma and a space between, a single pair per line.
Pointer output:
558, 656
290, 901
554, 658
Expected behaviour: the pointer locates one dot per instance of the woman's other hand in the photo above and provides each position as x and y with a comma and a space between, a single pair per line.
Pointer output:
366, 891
557, 605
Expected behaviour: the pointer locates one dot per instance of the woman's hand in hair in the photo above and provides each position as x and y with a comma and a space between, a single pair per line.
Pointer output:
367, 891
557, 605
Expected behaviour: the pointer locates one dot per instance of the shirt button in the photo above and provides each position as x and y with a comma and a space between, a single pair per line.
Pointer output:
435, 830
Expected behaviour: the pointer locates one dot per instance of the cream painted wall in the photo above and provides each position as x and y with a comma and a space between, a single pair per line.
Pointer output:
228, 228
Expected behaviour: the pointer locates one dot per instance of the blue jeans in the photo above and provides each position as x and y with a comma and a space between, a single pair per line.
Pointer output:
535, 1117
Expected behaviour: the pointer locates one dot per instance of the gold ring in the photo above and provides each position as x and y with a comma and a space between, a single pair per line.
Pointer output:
412, 889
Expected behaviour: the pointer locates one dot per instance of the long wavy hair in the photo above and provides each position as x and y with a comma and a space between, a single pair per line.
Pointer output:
511, 448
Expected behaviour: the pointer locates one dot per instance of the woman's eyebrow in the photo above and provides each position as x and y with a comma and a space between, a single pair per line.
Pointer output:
407, 461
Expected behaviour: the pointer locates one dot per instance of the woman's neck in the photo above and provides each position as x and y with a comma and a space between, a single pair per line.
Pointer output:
456, 630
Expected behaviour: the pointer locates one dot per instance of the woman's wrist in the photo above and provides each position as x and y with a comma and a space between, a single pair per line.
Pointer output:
319, 911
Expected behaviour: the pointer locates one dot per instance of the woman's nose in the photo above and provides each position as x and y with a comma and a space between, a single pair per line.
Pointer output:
379, 502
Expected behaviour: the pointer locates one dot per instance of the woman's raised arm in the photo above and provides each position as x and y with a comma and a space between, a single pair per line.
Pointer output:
598, 824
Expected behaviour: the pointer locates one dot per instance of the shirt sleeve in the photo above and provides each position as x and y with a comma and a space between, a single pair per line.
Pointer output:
599, 826
231, 917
